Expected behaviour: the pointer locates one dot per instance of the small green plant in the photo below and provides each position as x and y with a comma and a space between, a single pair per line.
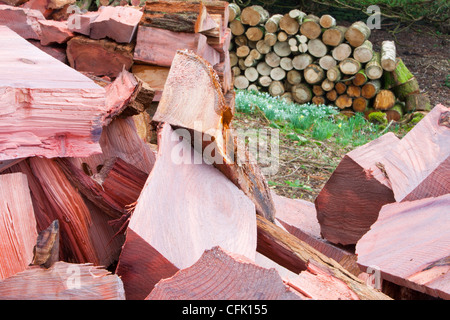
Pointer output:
447, 81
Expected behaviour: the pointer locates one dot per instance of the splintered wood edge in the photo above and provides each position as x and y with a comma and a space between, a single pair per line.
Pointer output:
221, 108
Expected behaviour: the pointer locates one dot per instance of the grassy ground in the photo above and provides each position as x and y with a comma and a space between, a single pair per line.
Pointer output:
312, 140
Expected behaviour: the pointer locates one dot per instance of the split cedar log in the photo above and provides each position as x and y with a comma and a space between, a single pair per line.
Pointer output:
357, 171
153, 76
81, 23
54, 32
227, 216
298, 217
159, 46
296, 255
58, 283
254, 15
218, 281
384, 100
39, 95
357, 33
310, 27
425, 270
178, 16
18, 231
420, 153
117, 23
334, 36
23, 21
373, 67
203, 109
99, 57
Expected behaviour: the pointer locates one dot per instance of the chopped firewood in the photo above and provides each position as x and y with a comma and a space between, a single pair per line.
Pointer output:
159, 46
17, 224
296, 255
99, 57
81, 23
298, 217
50, 109
408, 245
21, 20
117, 23
63, 281
193, 99
54, 32
218, 213
350, 201
229, 276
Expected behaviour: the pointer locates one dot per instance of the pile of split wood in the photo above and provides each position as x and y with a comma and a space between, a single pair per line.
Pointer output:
306, 58
92, 209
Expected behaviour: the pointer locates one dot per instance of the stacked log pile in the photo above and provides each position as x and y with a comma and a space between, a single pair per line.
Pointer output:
306, 58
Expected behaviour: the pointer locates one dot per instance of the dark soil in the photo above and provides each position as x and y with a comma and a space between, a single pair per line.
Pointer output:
304, 170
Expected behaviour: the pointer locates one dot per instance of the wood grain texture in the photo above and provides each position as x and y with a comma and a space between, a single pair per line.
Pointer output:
208, 211
420, 257
223, 275
47, 108
18, 230
63, 281
22, 20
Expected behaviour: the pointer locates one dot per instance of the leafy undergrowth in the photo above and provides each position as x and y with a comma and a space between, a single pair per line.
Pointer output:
312, 140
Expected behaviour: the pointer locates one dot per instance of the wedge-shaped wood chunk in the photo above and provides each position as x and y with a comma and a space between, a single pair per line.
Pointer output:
193, 99
18, 230
63, 281
186, 207
409, 245
223, 275
46, 108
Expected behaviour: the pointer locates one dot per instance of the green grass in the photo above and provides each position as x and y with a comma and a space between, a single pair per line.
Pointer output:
309, 121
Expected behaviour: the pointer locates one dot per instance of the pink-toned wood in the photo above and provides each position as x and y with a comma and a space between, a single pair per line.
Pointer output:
56, 51
318, 284
46, 108
99, 57
24, 21
81, 23
299, 218
54, 32
117, 23
409, 245
351, 199
63, 281
158, 46
18, 231
154, 76
223, 275
193, 99
181, 220
40, 5
419, 154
